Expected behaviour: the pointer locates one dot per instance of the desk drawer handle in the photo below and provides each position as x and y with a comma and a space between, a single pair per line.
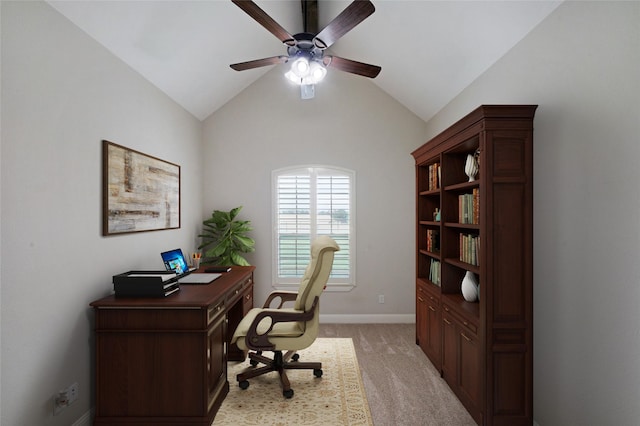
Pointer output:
420, 299
431, 308
213, 312
468, 339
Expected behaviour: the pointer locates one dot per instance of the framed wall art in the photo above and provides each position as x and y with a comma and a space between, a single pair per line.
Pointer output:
140, 192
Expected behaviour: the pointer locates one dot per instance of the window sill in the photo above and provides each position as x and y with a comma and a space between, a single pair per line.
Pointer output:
331, 288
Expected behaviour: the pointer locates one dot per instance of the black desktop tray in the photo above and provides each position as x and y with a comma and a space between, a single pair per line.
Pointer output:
145, 284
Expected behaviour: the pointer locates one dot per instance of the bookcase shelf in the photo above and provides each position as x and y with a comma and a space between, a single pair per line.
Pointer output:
457, 225
483, 349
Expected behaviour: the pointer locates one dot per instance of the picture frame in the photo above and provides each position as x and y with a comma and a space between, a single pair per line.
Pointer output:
139, 192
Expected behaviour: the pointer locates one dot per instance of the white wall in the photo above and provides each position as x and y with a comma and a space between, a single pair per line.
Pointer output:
582, 66
62, 94
350, 124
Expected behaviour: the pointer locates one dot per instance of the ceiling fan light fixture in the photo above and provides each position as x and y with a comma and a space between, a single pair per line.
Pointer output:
300, 67
292, 77
317, 71
305, 72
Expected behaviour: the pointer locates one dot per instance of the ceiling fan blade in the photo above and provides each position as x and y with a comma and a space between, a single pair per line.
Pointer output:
259, 63
265, 20
354, 67
355, 13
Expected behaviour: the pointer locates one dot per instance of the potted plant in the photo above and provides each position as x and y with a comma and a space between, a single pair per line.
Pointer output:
224, 238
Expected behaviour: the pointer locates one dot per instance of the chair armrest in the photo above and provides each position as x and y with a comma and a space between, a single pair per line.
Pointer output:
285, 296
260, 342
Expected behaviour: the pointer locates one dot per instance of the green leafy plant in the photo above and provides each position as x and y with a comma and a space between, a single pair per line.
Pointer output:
224, 238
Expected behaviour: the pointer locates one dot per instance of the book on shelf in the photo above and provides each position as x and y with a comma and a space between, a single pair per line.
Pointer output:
434, 272
476, 205
433, 240
434, 176
470, 249
469, 207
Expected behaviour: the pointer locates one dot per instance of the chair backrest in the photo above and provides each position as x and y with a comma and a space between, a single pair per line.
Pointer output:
317, 273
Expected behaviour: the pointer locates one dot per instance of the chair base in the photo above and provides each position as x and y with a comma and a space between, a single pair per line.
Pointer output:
279, 363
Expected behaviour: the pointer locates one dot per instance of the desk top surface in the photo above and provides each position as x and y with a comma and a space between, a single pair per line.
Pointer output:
190, 295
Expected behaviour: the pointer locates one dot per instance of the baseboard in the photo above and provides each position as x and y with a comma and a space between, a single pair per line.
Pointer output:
85, 420
368, 319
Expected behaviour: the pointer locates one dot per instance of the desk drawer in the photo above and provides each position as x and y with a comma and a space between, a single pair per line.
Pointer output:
214, 311
148, 319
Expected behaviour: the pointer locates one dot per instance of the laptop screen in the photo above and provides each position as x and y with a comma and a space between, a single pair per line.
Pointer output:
174, 261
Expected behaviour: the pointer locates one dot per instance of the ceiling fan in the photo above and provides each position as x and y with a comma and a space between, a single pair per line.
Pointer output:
306, 51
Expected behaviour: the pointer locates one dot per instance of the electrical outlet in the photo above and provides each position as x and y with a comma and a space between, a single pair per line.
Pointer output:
72, 391
381, 298
64, 398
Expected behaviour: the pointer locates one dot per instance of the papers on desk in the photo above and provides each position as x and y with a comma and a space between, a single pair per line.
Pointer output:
163, 277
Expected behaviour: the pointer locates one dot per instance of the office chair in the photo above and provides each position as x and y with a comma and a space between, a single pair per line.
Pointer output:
287, 329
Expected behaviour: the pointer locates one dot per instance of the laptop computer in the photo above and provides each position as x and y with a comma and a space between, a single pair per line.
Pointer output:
175, 261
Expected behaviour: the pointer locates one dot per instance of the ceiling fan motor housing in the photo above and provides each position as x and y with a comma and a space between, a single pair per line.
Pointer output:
304, 47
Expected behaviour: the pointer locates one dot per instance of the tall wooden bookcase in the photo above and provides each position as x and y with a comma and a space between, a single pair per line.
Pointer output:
483, 349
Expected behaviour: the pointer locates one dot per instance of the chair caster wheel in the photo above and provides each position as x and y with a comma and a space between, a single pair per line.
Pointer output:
295, 357
288, 393
317, 372
253, 362
244, 384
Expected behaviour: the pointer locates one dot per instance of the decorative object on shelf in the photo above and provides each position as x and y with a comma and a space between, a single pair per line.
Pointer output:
469, 287
471, 167
224, 238
436, 215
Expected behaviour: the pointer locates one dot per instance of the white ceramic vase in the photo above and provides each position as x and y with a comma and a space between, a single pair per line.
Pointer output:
469, 287
471, 167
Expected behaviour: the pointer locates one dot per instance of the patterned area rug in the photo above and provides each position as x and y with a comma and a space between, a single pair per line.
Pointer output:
337, 398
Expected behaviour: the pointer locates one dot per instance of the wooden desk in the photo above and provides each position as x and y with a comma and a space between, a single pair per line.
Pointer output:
164, 360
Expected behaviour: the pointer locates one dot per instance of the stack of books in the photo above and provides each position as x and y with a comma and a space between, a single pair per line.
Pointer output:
469, 207
469, 249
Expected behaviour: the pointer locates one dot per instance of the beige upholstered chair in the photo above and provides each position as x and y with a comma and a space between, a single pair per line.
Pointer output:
279, 329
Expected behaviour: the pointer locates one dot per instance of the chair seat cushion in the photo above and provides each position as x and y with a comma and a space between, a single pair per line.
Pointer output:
281, 329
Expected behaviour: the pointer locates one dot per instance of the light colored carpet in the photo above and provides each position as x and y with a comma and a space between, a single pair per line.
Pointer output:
403, 387
338, 398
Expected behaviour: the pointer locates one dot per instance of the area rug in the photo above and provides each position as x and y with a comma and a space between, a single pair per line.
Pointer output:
337, 398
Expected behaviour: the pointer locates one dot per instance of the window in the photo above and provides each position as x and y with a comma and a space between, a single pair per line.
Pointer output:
312, 201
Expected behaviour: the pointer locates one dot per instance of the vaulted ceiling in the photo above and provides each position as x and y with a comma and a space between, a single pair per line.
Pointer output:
429, 51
